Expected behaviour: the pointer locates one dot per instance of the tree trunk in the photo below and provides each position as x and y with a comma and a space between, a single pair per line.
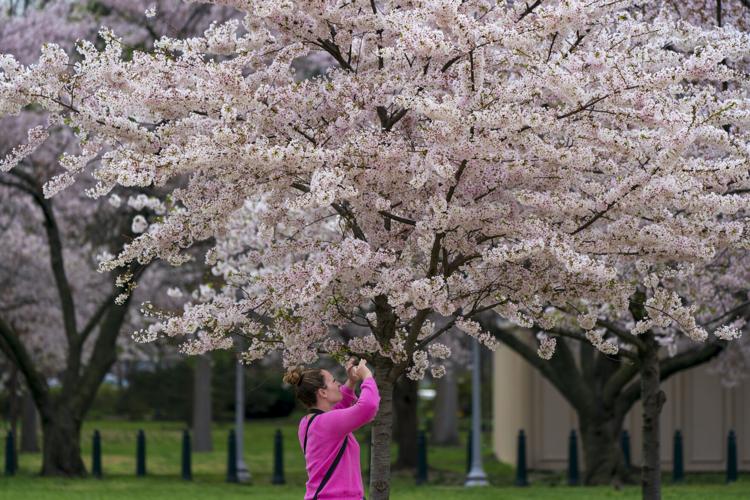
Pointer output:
445, 420
405, 422
202, 404
13, 400
382, 426
61, 453
653, 399
604, 462
29, 442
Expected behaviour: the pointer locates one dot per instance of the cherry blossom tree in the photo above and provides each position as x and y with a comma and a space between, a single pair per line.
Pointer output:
603, 385
58, 318
456, 158
599, 374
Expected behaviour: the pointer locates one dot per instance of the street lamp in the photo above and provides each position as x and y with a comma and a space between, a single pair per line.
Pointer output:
243, 474
476, 476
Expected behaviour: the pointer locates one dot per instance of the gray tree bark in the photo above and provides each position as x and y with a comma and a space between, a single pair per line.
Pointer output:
13, 403
202, 415
405, 422
603, 460
62, 443
382, 427
653, 401
445, 421
29, 441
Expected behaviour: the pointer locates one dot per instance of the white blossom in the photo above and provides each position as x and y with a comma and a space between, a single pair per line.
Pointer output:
139, 224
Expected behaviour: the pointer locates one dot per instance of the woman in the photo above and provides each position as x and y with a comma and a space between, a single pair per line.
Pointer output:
331, 451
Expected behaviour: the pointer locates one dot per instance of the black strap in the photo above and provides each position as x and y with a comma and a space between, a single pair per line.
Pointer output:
315, 413
331, 468
329, 472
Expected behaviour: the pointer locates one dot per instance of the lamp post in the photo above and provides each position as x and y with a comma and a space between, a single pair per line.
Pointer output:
476, 476
243, 474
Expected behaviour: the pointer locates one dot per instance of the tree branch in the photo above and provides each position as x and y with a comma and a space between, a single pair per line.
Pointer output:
671, 366
103, 356
94, 319
341, 208
333, 49
402, 220
529, 10
730, 312
620, 333
436, 334
387, 121
450, 63
570, 380
561, 371
82, 388
614, 385
583, 107
11, 345
690, 358
519, 346
586, 359
598, 215
57, 262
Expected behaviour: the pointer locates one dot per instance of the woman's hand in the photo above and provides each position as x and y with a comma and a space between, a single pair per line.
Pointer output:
362, 371
351, 374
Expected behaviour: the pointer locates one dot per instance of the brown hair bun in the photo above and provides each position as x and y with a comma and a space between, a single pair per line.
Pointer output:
305, 384
293, 377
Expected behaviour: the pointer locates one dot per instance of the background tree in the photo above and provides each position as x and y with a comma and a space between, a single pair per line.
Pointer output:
58, 314
598, 388
445, 421
593, 385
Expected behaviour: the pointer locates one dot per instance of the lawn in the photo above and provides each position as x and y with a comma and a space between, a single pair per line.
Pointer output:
447, 466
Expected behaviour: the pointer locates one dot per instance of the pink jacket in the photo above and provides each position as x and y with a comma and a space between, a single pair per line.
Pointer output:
327, 434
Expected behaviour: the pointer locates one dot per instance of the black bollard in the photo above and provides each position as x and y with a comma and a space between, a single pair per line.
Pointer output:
731, 457
468, 453
232, 459
521, 473
278, 459
421, 477
96, 456
10, 455
187, 473
678, 464
625, 447
573, 478
140, 454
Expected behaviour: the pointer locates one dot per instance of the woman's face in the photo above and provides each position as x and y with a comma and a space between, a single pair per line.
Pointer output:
332, 391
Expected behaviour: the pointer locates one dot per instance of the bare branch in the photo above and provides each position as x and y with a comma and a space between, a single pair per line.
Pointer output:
529, 10
11, 345
622, 334
57, 261
397, 218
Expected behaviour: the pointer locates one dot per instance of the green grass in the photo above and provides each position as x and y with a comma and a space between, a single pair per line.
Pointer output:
447, 465
171, 488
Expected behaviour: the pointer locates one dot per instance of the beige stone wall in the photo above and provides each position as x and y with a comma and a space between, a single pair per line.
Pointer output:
511, 409
697, 404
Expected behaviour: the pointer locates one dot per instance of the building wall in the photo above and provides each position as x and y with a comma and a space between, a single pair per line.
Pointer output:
697, 404
511, 400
